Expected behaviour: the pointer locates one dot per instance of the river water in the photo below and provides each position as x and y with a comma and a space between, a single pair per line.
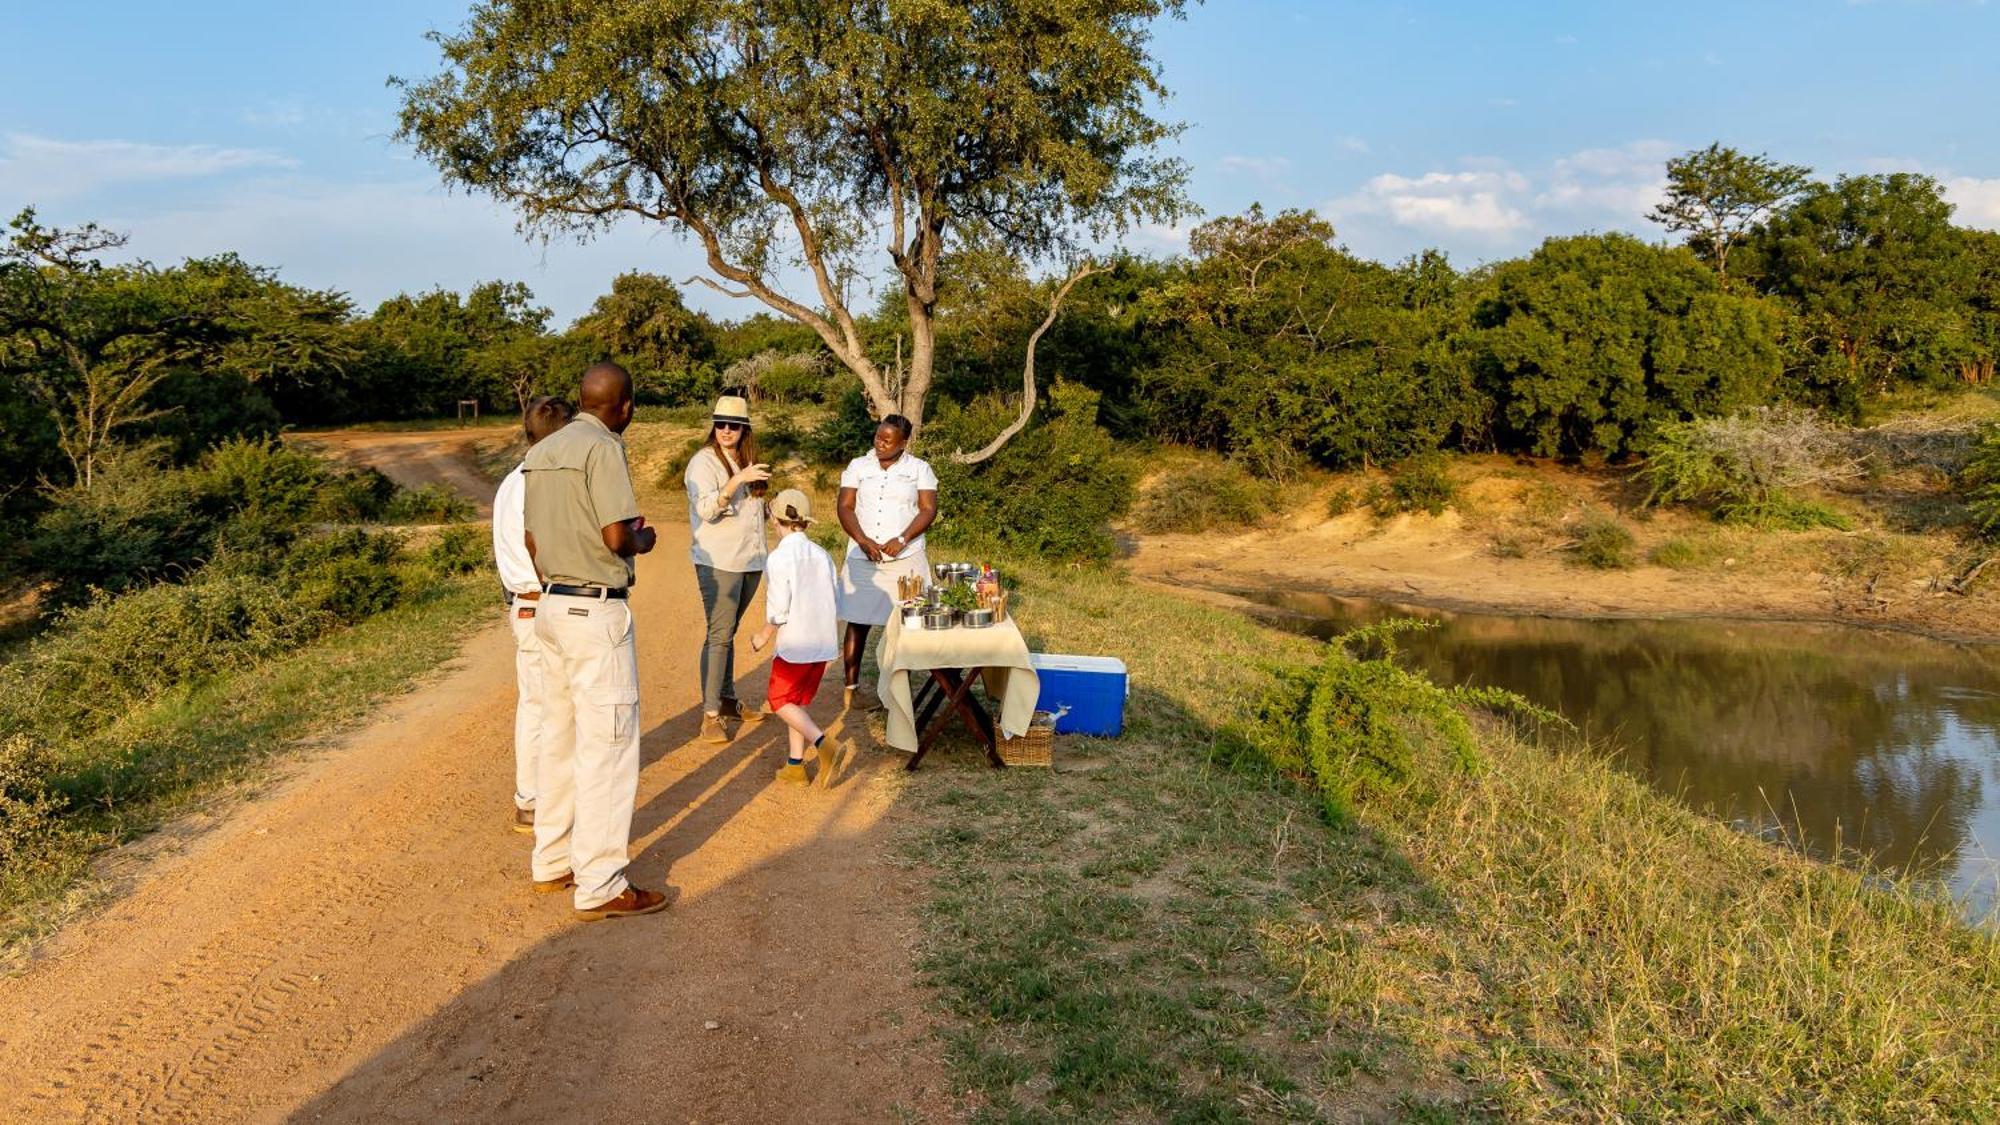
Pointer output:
1847, 740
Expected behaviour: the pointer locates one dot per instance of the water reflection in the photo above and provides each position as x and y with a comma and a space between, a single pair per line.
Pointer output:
1886, 744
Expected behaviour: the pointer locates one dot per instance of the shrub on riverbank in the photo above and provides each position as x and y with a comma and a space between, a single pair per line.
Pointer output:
1205, 496
1419, 484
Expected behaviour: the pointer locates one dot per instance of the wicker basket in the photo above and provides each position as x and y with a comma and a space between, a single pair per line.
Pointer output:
1034, 748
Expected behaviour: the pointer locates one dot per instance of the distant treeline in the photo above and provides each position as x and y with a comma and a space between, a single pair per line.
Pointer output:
1268, 342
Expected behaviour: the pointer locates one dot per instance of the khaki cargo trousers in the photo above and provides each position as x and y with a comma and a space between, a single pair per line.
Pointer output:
529, 688
588, 774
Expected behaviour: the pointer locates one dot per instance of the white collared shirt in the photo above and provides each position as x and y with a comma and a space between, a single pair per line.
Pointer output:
885, 500
800, 598
510, 535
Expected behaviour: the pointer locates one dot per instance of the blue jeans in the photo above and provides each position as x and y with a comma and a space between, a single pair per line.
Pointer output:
725, 594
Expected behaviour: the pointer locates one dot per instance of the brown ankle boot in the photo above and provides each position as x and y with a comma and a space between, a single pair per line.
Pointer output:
712, 729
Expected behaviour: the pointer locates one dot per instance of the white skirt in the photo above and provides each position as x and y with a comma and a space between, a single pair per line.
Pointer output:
868, 589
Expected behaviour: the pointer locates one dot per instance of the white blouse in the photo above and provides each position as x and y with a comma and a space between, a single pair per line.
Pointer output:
727, 532
885, 500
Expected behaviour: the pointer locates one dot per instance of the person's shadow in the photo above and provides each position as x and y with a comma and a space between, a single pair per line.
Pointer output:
678, 820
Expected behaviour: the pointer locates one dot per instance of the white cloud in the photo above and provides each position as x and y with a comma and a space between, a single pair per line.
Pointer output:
1977, 201
1353, 144
1488, 206
42, 168
1470, 202
1608, 183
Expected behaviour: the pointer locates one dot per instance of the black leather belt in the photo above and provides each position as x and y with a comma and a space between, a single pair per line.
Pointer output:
598, 592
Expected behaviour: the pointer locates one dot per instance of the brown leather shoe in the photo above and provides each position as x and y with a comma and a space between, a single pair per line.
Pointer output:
631, 904
712, 729
861, 697
742, 712
524, 821
561, 882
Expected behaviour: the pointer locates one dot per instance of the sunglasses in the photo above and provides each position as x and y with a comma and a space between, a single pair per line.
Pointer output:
732, 425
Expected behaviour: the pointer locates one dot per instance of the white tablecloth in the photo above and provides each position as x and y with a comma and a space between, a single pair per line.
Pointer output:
1000, 651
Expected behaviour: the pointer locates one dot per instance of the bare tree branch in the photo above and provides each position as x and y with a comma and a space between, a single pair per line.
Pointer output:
1028, 372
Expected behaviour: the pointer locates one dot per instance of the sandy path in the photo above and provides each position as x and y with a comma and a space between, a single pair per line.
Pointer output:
360, 944
415, 458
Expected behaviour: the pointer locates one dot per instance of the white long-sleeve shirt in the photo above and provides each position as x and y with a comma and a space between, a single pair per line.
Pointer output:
510, 535
800, 597
726, 531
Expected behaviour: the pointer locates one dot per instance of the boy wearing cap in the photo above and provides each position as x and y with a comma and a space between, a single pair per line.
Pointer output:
800, 599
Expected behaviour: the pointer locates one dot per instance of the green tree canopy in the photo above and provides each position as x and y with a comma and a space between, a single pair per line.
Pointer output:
808, 136
1877, 275
1717, 195
1592, 341
1274, 339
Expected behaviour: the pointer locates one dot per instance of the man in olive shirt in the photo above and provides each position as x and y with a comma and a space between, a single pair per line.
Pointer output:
583, 529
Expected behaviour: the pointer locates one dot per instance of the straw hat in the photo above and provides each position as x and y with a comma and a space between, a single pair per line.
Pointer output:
732, 408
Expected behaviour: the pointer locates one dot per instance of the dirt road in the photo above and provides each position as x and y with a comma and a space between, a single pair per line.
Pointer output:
360, 943
415, 458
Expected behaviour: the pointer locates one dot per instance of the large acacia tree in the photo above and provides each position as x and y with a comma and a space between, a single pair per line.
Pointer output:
849, 141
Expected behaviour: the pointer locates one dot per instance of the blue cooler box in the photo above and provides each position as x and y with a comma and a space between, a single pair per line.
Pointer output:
1092, 687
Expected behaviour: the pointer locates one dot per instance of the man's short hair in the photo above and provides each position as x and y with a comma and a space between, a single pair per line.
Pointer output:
544, 416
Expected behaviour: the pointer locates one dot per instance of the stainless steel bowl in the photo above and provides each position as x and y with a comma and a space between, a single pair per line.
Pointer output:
977, 619
941, 617
913, 615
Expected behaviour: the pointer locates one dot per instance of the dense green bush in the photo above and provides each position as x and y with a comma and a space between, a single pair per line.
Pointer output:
1980, 481
844, 434
459, 550
138, 523
1051, 492
432, 503
1360, 729
1420, 484
1204, 496
1603, 542
1592, 342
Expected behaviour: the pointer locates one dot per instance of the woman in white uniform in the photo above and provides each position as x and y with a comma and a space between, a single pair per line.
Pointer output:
888, 499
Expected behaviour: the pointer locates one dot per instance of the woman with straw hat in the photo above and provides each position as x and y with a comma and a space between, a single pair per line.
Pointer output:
725, 492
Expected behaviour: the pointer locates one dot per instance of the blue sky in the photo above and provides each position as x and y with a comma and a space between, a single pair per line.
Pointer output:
1480, 128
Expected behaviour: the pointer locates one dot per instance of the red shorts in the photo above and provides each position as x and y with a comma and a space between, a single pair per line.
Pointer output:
793, 683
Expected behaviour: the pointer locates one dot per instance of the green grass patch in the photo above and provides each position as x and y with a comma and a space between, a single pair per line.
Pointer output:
1167, 928
1603, 542
1205, 496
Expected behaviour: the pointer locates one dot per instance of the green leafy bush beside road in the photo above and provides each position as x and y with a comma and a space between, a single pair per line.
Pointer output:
258, 579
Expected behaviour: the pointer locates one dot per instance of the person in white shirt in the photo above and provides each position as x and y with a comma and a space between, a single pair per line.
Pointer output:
725, 486
888, 499
799, 610
543, 416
